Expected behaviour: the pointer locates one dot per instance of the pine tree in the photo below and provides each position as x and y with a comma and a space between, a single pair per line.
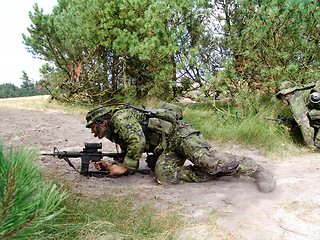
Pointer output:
272, 41
26, 200
98, 50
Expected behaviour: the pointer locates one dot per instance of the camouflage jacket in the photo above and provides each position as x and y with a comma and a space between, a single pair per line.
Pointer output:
132, 131
125, 129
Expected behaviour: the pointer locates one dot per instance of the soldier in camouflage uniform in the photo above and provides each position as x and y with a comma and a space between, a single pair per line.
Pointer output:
304, 104
131, 130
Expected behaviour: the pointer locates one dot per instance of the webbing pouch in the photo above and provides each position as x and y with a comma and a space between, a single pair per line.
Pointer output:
158, 125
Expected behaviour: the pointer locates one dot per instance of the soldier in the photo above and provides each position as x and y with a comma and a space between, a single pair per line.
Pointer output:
171, 144
304, 104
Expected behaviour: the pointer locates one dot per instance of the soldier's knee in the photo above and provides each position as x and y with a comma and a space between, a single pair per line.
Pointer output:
166, 176
216, 161
165, 171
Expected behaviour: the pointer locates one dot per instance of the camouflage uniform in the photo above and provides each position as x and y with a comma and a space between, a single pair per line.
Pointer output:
301, 109
129, 129
185, 142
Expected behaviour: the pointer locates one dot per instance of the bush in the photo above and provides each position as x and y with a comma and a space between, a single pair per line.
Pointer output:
26, 200
225, 123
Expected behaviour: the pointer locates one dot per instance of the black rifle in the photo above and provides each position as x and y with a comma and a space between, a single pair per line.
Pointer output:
282, 120
90, 153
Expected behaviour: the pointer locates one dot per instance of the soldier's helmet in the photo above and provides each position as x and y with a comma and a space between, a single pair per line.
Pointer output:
96, 115
286, 87
314, 97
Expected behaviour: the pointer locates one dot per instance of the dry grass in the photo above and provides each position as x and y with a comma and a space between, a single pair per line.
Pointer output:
31, 103
41, 103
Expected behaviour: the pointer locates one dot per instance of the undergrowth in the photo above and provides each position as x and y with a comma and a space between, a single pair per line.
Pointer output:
108, 217
227, 124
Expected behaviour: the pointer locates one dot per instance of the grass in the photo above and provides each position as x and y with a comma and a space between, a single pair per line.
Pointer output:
41, 103
38, 103
107, 217
221, 124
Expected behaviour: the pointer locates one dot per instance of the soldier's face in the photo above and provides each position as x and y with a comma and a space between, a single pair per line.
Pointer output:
285, 98
98, 130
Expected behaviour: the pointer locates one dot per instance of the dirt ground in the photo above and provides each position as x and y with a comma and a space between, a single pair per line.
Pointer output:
227, 208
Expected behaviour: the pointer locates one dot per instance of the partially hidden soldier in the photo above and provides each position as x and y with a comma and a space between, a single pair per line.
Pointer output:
170, 143
304, 104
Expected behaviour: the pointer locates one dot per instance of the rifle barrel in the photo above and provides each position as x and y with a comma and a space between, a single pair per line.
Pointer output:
275, 119
282, 120
79, 154
63, 154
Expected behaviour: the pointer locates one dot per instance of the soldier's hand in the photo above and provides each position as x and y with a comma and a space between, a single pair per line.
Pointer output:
101, 165
117, 170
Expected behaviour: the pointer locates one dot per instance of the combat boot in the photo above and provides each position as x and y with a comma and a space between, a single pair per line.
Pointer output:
266, 182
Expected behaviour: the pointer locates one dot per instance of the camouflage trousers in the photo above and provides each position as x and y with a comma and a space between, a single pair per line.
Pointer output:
317, 140
207, 163
311, 135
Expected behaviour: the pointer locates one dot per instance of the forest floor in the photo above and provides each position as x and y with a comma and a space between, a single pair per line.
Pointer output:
225, 208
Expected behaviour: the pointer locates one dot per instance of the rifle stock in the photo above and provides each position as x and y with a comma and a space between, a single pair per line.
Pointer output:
89, 154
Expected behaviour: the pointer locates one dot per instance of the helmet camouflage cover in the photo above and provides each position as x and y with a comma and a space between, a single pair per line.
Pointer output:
96, 113
286, 87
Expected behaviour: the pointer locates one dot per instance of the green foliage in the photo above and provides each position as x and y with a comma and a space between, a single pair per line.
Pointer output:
27, 88
26, 201
8, 90
269, 42
97, 50
108, 217
101, 51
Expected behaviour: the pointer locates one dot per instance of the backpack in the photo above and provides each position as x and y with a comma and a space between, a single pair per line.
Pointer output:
166, 111
161, 122
172, 109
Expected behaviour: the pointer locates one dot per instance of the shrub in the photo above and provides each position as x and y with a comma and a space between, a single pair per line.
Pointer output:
26, 200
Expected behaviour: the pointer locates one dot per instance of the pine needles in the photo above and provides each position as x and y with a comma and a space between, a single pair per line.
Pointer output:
26, 201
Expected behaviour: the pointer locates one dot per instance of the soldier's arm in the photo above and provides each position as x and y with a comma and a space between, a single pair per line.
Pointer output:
299, 110
130, 132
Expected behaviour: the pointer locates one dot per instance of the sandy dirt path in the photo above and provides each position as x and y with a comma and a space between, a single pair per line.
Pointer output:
226, 208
